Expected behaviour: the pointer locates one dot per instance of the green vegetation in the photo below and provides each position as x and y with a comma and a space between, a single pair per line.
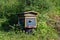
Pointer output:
8, 19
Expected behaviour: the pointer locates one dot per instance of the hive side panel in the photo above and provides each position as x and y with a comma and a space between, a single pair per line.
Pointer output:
21, 21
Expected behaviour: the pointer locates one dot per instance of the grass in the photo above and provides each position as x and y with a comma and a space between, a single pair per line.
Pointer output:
8, 19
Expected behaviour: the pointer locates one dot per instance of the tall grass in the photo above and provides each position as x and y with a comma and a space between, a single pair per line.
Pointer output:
8, 19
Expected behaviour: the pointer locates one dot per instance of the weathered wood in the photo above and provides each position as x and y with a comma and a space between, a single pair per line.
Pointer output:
25, 17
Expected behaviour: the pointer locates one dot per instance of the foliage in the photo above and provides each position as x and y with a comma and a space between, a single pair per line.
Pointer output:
8, 19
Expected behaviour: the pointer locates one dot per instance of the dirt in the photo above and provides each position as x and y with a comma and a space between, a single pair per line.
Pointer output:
54, 20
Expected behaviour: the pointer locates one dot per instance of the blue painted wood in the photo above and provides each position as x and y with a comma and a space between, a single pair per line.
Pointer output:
21, 21
30, 22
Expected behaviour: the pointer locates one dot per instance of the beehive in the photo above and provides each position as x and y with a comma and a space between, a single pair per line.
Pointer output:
27, 19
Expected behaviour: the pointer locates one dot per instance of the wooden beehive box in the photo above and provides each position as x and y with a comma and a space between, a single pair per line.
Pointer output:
27, 19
